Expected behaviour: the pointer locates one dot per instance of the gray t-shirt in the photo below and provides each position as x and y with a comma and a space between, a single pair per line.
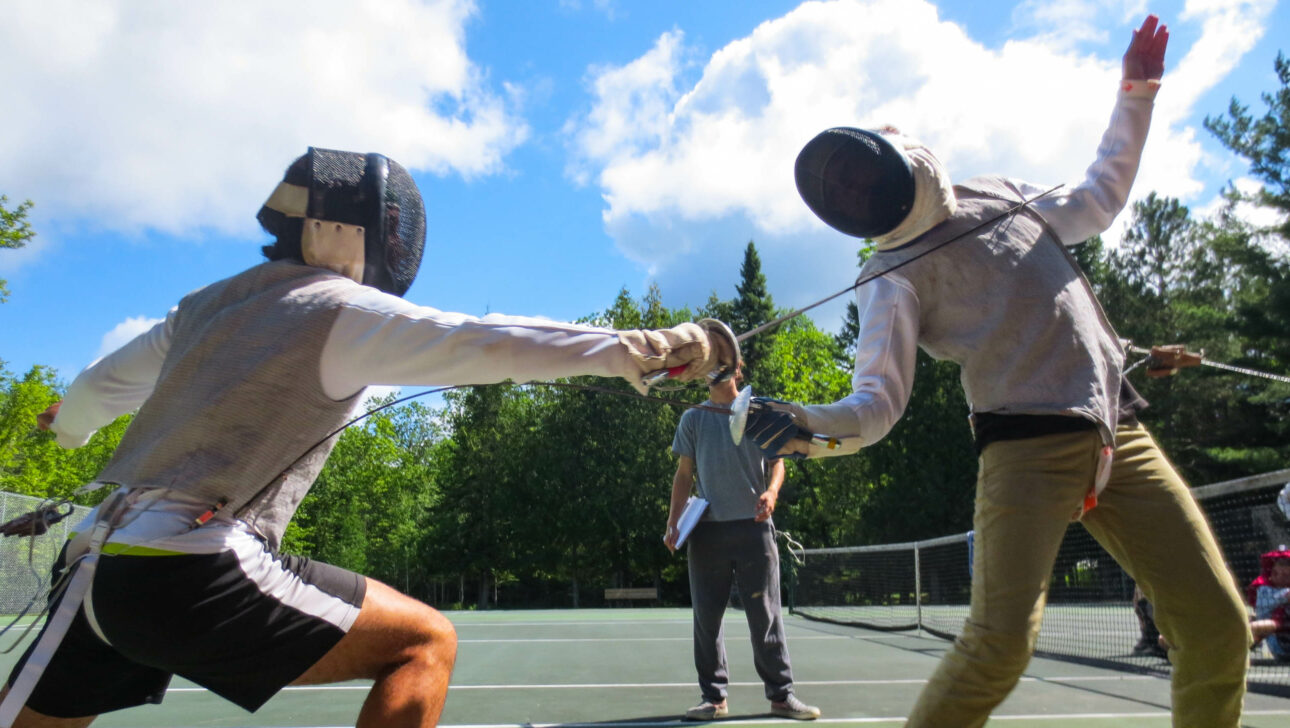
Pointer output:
730, 476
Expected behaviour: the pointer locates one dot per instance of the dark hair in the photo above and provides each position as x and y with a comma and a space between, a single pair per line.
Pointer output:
287, 244
286, 230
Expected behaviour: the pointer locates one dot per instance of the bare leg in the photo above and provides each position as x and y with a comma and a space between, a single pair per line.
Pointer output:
407, 647
1262, 628
28, 718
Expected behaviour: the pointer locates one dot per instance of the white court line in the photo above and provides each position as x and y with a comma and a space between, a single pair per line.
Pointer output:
690, 684
468, 623
841, 721
874, 719
583, 639
636, 639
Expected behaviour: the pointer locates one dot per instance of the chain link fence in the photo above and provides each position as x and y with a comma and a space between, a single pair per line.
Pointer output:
25, 562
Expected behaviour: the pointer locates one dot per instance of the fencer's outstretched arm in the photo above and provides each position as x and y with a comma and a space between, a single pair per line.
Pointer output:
1087, 209
382, 339
886, 352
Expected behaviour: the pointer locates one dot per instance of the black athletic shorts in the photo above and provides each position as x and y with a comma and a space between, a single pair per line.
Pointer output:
243, 623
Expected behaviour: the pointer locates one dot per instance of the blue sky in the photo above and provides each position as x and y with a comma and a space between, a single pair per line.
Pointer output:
565, 148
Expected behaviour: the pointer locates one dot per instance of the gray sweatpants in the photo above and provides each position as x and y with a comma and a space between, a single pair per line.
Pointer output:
722, 552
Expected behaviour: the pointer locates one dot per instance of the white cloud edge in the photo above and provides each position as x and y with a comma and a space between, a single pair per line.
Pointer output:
123, 333
131, 136
1170, 167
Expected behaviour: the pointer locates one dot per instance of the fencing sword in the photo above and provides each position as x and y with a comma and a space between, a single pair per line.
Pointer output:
742, 405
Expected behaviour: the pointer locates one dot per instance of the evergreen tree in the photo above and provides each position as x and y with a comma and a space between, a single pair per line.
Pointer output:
847, 335
751, 308
1265, 143
1176, 281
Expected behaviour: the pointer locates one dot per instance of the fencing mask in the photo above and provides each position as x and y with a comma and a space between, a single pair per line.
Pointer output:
879, 186
357, 214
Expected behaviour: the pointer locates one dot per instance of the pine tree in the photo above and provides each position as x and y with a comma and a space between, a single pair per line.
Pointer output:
1265, 143
752, 308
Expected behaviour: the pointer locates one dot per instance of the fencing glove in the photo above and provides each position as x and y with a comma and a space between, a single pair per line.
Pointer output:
688, 345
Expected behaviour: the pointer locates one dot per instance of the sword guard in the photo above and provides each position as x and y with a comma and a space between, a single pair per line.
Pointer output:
718, 329
721, 336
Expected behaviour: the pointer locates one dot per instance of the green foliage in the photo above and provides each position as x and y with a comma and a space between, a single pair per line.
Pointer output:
1208, 286
367, 509
15, 232
1263, 316
31, 461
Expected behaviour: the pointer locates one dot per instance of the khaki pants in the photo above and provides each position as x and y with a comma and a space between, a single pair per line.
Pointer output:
1027, 491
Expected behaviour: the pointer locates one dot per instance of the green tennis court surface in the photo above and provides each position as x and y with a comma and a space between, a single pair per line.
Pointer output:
633, 667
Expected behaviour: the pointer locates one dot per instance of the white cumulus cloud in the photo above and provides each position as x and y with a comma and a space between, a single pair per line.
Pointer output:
123, 332
691, 171
138, 114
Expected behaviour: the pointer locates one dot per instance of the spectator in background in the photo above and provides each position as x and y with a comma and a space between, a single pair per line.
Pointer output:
734, 543
1150, 643
1269, 594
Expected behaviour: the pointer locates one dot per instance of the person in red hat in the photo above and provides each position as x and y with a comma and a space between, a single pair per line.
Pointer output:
1269, 594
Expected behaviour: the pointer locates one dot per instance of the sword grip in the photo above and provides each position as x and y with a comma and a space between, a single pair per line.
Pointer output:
653, 378
824, 441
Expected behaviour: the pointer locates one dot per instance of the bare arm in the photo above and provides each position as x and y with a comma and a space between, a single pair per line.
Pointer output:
767, 500
385, 340
682, 482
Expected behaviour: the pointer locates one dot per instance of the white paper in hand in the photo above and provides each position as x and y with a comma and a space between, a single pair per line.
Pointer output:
694, 508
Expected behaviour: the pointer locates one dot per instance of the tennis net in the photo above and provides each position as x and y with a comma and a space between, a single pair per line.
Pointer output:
1090, 618
25, 562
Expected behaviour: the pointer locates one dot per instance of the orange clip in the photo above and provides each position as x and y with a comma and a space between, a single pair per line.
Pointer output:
201, 520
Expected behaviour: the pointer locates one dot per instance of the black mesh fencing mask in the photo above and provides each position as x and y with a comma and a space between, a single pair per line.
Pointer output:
856, 181
359, 214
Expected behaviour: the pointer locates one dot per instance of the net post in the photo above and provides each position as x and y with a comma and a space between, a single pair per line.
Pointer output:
918, 589
790, 570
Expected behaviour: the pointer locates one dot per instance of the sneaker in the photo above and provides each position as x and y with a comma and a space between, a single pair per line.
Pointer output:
791, 707
708, 710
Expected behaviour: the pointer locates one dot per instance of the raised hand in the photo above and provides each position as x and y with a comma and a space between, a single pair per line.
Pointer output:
45, 419
1145, 58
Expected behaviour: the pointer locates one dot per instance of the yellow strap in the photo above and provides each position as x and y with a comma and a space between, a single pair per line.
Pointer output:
125, 549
